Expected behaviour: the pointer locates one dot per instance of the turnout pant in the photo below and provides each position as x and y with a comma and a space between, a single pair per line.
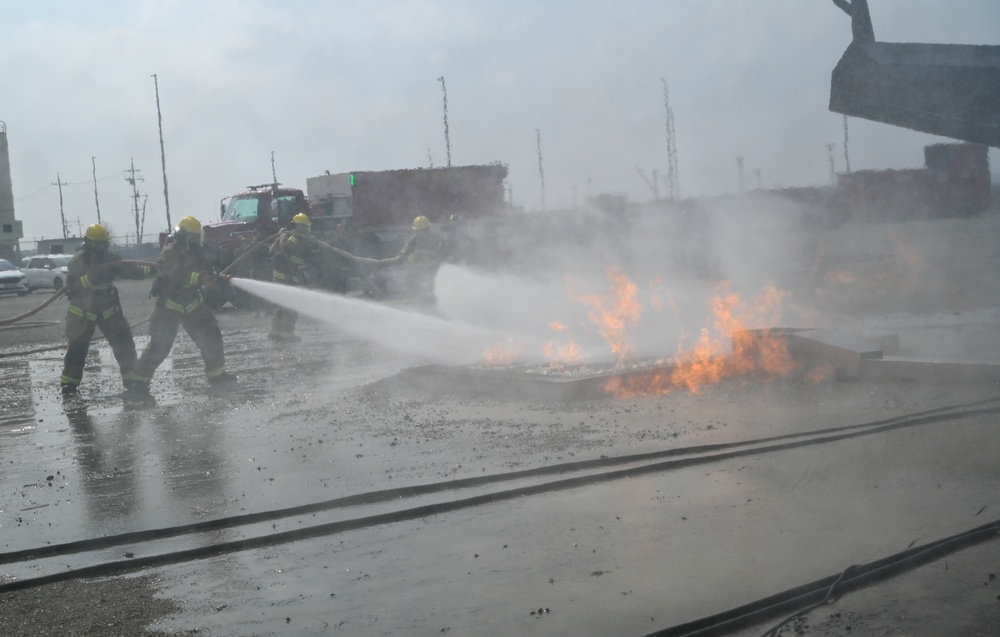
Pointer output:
80, 332
199, 323
283, 323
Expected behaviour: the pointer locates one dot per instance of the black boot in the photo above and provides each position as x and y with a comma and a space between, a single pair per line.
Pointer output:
223, 379
69, 389
136, 389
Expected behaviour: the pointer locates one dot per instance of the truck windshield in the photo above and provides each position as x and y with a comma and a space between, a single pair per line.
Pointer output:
242, 209
284, 207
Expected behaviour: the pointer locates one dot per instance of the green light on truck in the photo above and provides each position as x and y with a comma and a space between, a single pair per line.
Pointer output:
352, 179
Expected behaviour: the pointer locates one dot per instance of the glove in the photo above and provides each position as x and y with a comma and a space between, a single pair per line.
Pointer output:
209, 280
226, 277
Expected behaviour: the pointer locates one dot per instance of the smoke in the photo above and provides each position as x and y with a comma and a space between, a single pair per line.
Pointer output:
580, 287
587, 286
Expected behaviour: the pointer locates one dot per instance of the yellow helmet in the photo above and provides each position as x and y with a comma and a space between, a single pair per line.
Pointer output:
421, 223
189, 226
301, 220
97, 232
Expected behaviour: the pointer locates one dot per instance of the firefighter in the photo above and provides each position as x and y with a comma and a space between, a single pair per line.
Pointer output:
421, 258
456, 246
292, 252
93, 303
183, 271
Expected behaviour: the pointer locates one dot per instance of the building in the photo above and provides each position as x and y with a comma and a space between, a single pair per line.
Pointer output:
955, 182
10, 228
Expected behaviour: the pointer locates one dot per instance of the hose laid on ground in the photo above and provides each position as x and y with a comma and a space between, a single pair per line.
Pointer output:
61, 291
21, 317
742, 616
52, 348
817, 593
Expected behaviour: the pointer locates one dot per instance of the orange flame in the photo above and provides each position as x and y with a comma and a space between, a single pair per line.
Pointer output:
723, 350
561, 355
502, 354
839, 276
614, 311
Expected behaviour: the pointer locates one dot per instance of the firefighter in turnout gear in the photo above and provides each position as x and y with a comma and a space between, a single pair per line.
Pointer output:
93, 303
421, 258
183, 271
292, 252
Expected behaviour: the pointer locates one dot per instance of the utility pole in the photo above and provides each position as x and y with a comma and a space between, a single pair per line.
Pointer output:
274, 175
652, 185
163, 157
93, 163
672, 177
62, 215
833, 172
132, 179
739, 167
447, 138
430, 158
142, 226
541, 169
847, 160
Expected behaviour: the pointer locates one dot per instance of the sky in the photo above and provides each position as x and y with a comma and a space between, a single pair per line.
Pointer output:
350, 86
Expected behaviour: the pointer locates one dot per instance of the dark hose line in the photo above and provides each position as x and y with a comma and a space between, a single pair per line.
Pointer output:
61, 291
253, 250
132, 565
52, 348
386, 495
808, 597
20, 317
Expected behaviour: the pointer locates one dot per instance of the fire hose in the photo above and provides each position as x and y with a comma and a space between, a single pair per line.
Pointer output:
326, 246
61, 291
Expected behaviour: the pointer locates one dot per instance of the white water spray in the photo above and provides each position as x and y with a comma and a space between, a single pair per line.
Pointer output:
404, 331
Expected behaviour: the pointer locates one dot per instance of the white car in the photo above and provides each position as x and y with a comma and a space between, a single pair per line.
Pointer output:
46, 271
12, 280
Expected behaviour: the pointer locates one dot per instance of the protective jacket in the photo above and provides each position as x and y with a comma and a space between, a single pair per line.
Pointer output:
291, 253
91, 292
182, 273
422, 260
93, 303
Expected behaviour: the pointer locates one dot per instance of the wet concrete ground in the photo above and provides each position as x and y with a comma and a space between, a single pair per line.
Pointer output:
593, 539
